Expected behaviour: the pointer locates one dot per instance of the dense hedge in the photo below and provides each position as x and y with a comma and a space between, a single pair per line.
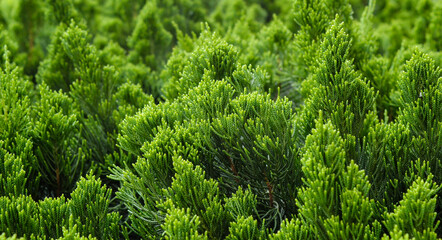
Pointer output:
230, 119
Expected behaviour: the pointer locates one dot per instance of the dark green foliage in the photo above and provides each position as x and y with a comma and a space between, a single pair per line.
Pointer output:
230, 119
387, 161
168, 128
60, 153
255, 143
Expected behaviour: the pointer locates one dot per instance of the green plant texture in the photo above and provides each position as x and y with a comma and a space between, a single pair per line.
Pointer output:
229, 119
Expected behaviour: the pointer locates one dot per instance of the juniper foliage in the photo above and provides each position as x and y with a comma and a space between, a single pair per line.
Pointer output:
231, 119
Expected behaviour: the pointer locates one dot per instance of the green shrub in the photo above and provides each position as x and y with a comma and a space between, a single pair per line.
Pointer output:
230, 119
